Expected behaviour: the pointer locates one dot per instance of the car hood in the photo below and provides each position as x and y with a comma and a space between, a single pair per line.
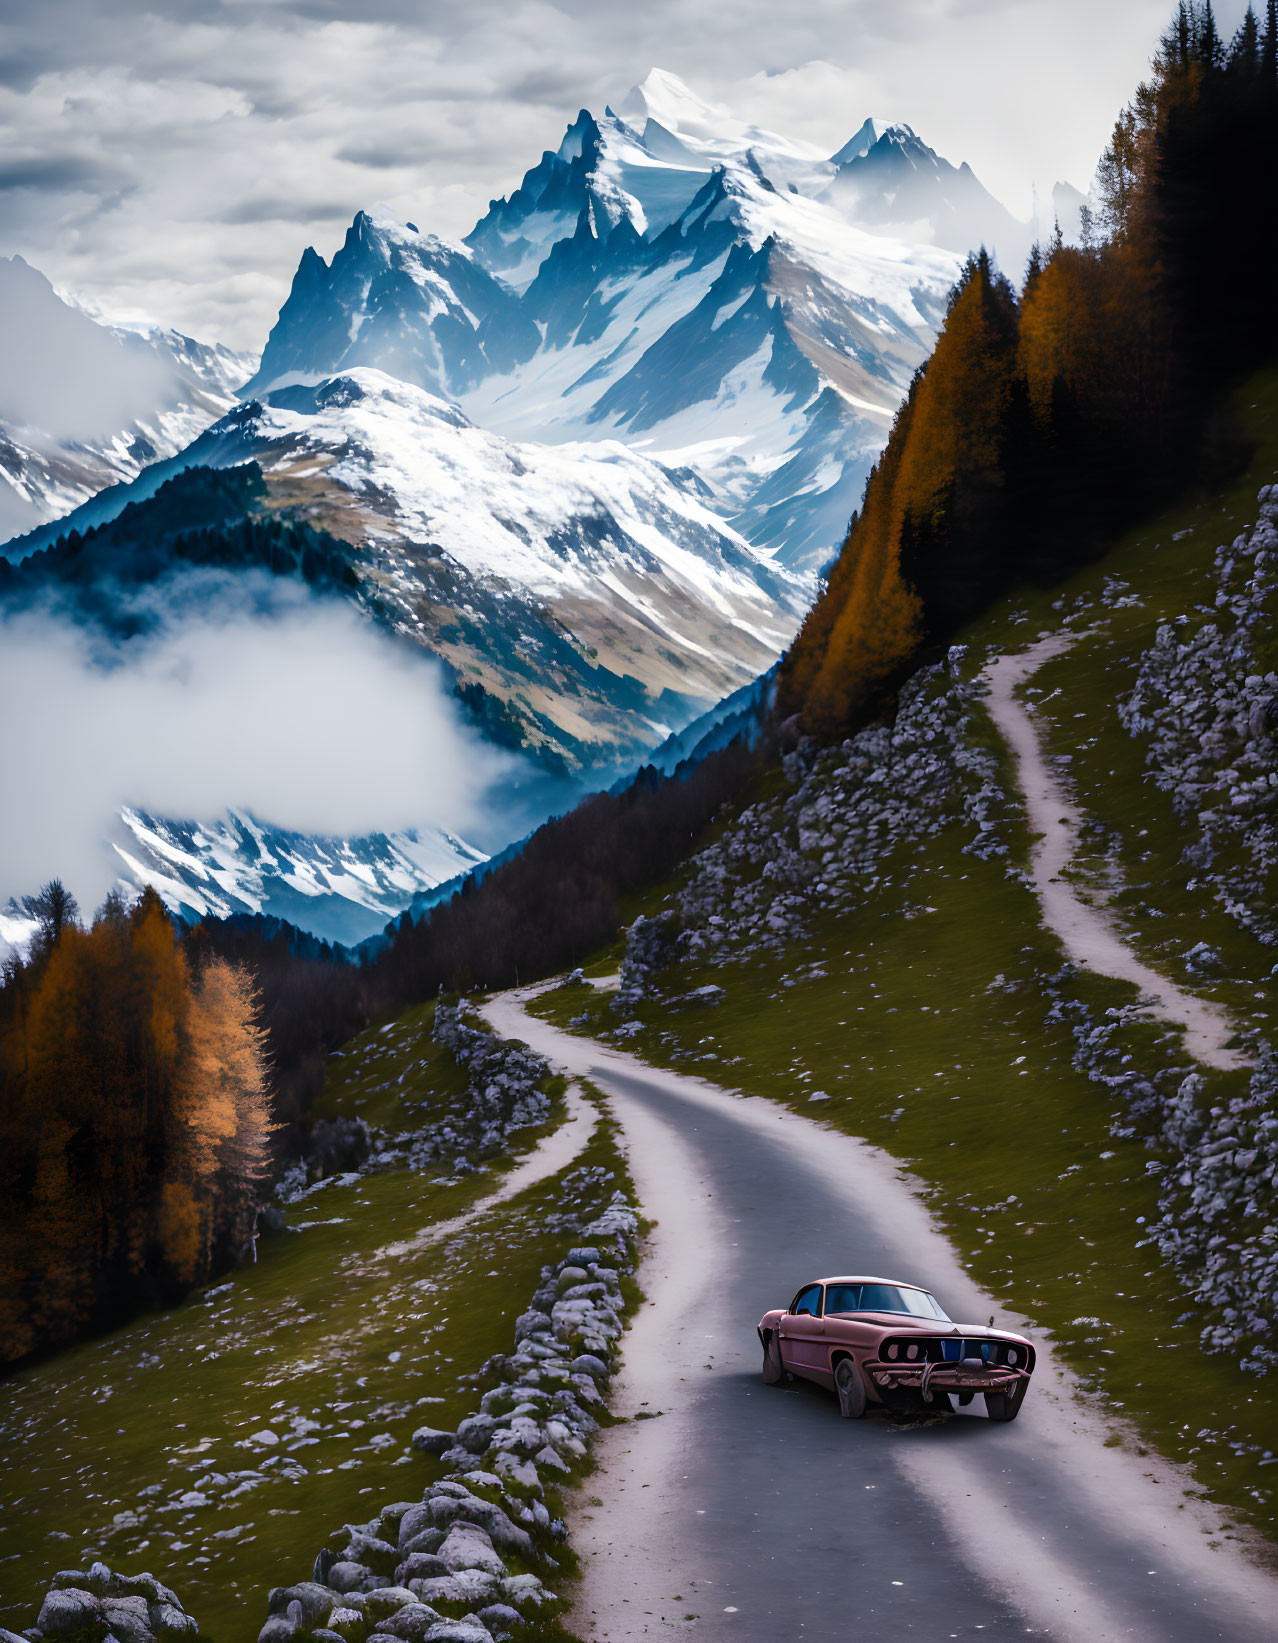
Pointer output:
898, 1322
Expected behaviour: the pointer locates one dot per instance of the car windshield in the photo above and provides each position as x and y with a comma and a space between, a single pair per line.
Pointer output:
882, 1298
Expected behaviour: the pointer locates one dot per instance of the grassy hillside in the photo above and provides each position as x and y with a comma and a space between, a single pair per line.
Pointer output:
923, 1020
220, 1444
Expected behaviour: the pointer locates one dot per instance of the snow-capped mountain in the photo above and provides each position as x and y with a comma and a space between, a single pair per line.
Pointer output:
85, 405
407, 303
668, 277
591, 457
586, 601
887, 178
343, 890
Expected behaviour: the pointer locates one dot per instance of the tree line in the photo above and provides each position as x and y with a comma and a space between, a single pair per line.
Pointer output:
135, 1120
1045, 420
548, 908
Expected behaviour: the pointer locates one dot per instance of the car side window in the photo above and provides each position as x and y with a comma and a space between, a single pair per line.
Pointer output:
843, 1298
808, 1301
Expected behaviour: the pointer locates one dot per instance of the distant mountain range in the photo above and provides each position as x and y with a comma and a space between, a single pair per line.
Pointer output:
341, 889
85, 405
592, 457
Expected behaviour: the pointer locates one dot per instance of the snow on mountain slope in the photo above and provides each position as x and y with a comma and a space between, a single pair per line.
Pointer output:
341, 889
731, 301
888, 179
411, 304
758, 332
581, 586
84, 404
586, 600
670, 277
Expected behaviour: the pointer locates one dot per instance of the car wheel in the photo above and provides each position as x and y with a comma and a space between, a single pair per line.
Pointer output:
851, 1389
1004, 1406
773, 1370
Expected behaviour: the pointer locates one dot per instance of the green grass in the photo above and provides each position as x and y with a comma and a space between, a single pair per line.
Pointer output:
926, 1051
1162, 915
349, 1324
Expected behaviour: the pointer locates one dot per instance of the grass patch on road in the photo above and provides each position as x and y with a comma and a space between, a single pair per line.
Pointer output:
342, 1339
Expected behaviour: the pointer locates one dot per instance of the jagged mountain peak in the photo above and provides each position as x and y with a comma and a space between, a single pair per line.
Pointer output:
874, 131
671, 102
415, 305
886, 178
85, 402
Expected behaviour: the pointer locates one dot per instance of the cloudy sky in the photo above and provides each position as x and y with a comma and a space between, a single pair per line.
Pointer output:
170, 160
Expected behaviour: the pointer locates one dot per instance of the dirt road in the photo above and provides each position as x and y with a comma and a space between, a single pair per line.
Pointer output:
761, 1512
1088, 933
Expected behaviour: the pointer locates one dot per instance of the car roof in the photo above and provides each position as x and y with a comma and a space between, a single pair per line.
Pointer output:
861, 1278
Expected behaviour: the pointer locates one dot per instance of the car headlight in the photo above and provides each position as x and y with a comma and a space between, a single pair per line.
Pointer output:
911, 1351
893, 1350
1012, 1356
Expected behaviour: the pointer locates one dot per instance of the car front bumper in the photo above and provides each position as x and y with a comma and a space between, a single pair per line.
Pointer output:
928, 1379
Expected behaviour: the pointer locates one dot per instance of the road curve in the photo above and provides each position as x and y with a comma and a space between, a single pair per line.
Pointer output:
761, 1512
1088, 934
552, 1153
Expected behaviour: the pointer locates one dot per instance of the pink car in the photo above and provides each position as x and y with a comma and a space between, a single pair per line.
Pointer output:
875, 1340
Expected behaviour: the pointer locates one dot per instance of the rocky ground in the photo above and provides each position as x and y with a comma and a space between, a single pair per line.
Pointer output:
482, 1551
1206, 708
852, 818
849, 815
505, 1091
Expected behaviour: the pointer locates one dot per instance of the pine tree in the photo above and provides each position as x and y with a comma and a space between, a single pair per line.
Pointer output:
1209, 48
1244, 52
1269, 44
55, 908
1118, 176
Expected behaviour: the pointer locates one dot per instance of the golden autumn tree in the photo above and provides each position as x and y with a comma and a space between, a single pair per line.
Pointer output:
135, 1109
917, 540
223, 1121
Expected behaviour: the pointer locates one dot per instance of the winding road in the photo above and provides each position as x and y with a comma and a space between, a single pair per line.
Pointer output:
759, 1511
1088, 933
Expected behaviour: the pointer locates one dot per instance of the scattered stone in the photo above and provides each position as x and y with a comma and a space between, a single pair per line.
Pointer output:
348, 1577
67, 1611
468, 1547
315, 1602
822, 845
420, 1566
431, 1441
469, 1629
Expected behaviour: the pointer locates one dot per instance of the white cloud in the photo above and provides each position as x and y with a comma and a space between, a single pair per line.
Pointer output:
300, 712
173, 164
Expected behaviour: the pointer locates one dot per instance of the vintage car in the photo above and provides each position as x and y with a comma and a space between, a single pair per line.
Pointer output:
876, 1340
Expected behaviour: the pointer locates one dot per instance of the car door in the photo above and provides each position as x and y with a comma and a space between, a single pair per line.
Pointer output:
802, 1333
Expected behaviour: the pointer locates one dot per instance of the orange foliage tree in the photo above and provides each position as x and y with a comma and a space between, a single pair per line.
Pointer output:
1040, 425
927, 496
134, 1122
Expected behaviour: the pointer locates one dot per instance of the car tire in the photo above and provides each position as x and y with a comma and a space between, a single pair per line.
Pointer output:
851, 1389
773, 1369
1004, 1406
